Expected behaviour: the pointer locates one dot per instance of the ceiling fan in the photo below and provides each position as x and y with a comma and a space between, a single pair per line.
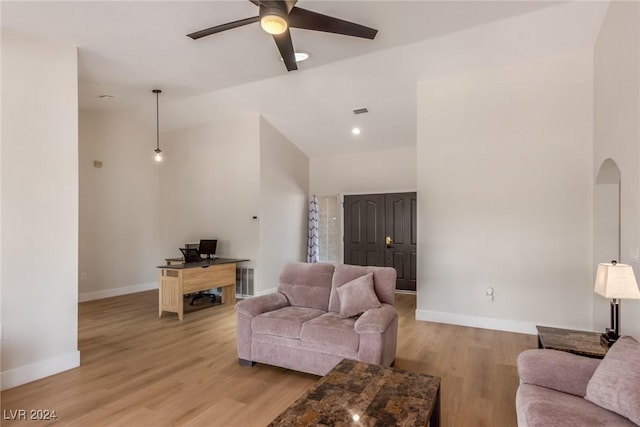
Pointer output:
277, 16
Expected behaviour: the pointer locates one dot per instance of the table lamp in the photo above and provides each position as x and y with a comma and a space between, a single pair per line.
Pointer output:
615, 281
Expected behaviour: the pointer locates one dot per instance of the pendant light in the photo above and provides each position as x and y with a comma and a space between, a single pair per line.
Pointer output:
158, 151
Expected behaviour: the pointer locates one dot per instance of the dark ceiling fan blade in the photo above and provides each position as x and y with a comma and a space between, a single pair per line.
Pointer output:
285, 46
308, 20
223, 27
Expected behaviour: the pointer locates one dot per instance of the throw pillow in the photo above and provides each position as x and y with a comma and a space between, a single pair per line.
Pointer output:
357, 296
615, 385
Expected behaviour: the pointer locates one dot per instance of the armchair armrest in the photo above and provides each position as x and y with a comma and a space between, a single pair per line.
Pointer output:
257, 305
557, 370
375, 320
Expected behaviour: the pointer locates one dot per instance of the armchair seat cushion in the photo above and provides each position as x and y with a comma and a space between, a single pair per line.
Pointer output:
544, 407
283, 322
333, 330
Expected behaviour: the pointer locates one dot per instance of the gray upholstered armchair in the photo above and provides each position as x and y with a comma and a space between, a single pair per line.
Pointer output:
563, 389
321, 314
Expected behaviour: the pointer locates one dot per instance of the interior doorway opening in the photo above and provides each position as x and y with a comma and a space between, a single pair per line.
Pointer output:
606, 230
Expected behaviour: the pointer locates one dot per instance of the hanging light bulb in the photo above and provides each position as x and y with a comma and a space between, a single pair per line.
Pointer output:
158, 151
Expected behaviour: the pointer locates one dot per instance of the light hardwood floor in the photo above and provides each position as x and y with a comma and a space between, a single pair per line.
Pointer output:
141, 370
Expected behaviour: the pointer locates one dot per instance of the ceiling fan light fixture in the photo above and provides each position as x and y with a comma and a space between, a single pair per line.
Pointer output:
273, 20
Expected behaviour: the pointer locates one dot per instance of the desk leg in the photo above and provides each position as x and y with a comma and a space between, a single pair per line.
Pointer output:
229, 294
170, 293
159, 293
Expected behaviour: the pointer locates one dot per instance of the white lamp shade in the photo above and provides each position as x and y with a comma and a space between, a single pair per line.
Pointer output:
616, 281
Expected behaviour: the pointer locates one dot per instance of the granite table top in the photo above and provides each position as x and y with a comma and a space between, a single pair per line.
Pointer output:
359, 394
583, 343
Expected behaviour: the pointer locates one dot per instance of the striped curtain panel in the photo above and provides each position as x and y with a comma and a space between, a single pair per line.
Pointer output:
312, 245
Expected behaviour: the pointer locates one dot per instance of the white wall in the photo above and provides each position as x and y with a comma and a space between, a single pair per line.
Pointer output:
39, 208
284, 210
119, 215
505, 182
214, 179
617, 132
210, 187
385, 171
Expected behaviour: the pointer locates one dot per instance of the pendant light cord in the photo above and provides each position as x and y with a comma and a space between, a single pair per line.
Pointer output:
157, 92
157, 121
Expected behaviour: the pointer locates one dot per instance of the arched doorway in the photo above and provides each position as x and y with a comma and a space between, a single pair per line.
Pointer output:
606, 230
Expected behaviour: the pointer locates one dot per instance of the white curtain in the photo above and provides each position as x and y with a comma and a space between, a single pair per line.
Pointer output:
312, 245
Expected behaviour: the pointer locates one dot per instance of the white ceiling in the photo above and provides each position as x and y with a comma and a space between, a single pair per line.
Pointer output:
128, 48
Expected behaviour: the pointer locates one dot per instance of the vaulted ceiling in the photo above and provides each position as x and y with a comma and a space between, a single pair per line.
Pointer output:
125, 49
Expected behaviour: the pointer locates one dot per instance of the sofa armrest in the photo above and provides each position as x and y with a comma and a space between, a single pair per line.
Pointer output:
257, 305
375, 320
557, 370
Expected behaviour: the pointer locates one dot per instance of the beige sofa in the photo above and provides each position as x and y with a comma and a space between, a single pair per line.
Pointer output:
322, 313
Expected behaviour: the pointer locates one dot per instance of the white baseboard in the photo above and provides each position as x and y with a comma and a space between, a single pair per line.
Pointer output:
114, 292
477, 322
35, 371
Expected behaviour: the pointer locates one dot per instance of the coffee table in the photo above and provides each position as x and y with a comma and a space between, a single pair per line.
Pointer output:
356, 393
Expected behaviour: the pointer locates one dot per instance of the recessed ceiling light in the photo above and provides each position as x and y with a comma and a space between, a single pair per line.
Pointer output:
355, 131
300, 56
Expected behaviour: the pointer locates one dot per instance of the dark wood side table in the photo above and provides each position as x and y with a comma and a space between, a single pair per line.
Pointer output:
582, 343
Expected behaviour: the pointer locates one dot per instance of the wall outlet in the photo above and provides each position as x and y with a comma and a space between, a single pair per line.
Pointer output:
83, 277
489, 293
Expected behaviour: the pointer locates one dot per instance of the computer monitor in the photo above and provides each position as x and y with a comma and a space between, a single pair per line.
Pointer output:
190, 254
208, 247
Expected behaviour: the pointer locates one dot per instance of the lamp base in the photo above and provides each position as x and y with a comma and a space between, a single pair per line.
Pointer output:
609, 337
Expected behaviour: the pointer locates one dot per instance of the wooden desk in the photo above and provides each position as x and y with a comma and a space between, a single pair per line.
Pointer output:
176, 280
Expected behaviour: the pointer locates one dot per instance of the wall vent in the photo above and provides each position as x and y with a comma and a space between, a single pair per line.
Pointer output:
360, 111
244, 281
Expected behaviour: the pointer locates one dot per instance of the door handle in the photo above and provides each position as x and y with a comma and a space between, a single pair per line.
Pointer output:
388, 241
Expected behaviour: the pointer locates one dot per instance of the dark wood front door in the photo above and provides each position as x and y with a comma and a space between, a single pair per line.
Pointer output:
380, 230
400, 230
